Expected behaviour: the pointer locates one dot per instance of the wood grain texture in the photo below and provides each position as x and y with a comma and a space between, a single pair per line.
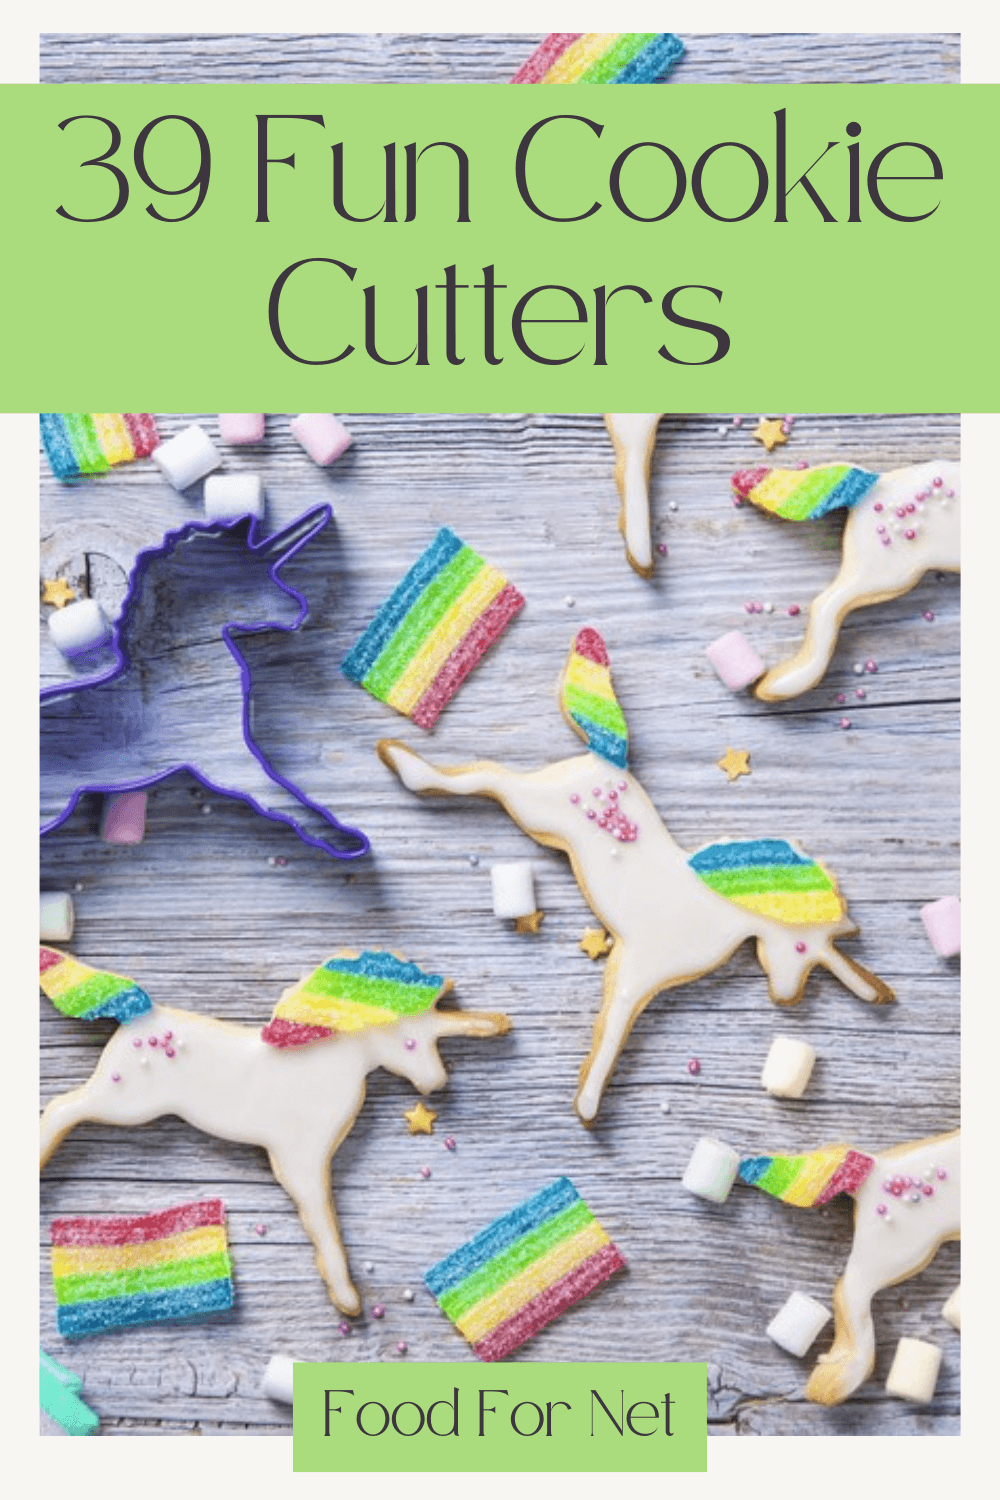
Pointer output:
427, 57
201, 918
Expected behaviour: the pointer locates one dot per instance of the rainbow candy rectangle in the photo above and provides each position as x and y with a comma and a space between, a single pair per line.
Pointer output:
601, 57
524, 1270
804, 494
350, 994
80, 442
113, 1273
589, 702
771, 877
78, 990
433, 629
811, 1179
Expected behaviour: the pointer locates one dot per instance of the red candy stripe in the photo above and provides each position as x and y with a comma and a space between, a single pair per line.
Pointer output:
591, 646
848, 1177
48, 959
550, 1304
281, 1033
746, 480
488, 628
142, 430
541, 60
140, 1229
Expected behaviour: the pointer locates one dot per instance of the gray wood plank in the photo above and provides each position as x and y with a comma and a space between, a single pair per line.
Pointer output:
201, 916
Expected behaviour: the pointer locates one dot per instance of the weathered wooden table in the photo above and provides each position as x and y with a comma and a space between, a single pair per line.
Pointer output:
203, 917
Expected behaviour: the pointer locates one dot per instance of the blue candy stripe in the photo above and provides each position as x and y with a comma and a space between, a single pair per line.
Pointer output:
77, 1319
499, 1235
653, 61
610, 747
853, 487
744, 853
124, 1006
381, 965
365, 652
58, 448
753, 1168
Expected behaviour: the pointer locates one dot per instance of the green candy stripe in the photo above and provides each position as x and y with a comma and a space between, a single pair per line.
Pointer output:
620, 53
605, 712
86, 444
813, 488
503, 1268
90, 992
780, 1174
387, 994
135, 1279
767, 878
421, 621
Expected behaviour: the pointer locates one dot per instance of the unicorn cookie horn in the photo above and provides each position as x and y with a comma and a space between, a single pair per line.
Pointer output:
899, 525
634, 437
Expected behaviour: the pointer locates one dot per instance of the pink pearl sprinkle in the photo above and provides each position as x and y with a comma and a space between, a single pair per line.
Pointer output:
881, 1209
871, 665
116, 1078
574, 798
598, 794
260, 1230
168, 1036
937, 481
896, 1189
845, 723
859, 693
137, 1041
794, 609
170, 1052
909, 533
928, 614
800, 947
449, 1143
425, 1172
877, 506
841, 697
694, 1066
402, 1346
941, 1174
410, 1043
623, 786
378, 1311
886, 541
345, 1328
911, 507
152, 1041
662, 549
591, 814
748, 608
927, 1190
950, 494
737, 421
901, 510
802, 464
887, 1187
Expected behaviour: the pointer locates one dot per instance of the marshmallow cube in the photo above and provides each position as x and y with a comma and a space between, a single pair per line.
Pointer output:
240, 427
55, 916
712, 1170
943, 921
788, 1068
914, 1370
952, 1309
123, 819
513, 889
79, 627
735, 660
187, 457
796, 1326
321, 435
277, 1381
230, 495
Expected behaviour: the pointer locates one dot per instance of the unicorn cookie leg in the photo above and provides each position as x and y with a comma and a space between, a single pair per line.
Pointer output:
634, 437
899, 525
907, 1204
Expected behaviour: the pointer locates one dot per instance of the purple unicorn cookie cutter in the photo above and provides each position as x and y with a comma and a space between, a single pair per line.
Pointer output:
130, 725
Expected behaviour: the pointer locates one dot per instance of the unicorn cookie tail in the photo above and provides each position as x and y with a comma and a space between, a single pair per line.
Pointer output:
89, 994
804, 494
588, 700
809, 1180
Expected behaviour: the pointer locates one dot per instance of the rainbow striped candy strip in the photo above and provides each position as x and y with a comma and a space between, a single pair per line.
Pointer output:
112, 1273
804, 494
81, 442
588, 699
350, 994
78, 990
771, 877
601, 57
524, 1270
811, 1179
433, 629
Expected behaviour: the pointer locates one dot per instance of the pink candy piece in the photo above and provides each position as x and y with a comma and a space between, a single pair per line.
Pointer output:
321, 435
241, 427
735, 660
942, 920
123, 820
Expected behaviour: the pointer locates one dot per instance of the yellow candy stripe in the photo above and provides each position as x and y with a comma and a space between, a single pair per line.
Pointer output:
72, 1260
579, 56
775, 488
113, 436
817, 1169
61, 978
535, 1278
424, 667
335, 1014
793, 906
589, 676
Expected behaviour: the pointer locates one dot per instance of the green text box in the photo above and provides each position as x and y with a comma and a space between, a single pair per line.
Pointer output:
500, 1418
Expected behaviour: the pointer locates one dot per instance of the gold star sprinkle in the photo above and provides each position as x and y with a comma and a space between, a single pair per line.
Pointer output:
420, 1119
57, 591
735, 763
595, 942
530, 923
771, 434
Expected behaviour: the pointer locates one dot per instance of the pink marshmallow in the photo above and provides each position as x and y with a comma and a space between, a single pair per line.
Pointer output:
124, 818
241, 427
735, 660
321, 435
943, 921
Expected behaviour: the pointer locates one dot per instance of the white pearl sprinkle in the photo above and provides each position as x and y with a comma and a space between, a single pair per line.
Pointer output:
664, 1108
672, 505
722, 431
369, 1266
407, 1295
769, 609
144, 1061
206, 807
858, 668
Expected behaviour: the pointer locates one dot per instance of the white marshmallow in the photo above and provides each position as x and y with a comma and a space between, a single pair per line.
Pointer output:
79, 627
788, 1068
914, 1370
187, 457
712, 1170
952, 1309
797, 1325
513, 889
277, 1381
231, 495
55, 916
